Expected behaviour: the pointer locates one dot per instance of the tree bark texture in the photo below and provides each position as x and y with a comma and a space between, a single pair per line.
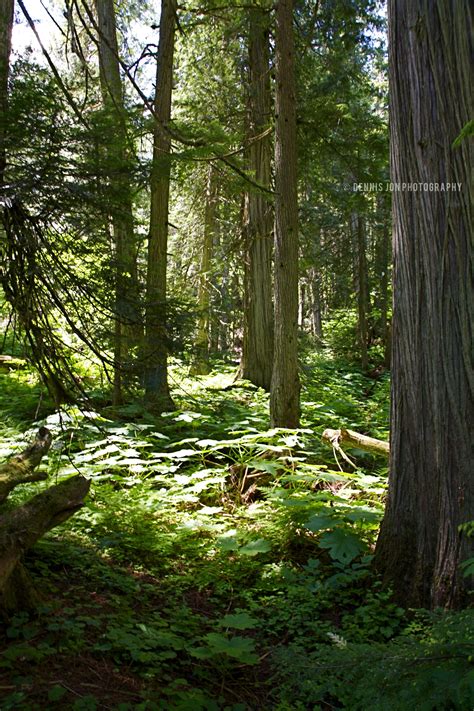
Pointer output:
257, 353
316, 305
127, 312
431, 488
382, 261
201, 362
156, 348
363, 306
315, 286
6, 26
285, 388
21, 527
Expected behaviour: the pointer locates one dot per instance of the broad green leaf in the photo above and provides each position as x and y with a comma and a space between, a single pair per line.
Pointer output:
261, 465
181, 454
210, 510
318, 522
227, 543
207, 442
343, 545
238, 621
360, 513
255, 547
240, 648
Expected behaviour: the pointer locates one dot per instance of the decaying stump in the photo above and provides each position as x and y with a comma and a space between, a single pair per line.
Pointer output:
21, 527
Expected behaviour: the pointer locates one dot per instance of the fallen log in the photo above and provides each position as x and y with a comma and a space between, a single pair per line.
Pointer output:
354, 439
21, 527
8, 362
20, 469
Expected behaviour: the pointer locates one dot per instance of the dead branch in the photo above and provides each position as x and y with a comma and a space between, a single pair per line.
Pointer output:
354, 439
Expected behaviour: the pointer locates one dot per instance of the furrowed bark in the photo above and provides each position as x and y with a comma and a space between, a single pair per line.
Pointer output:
257, 351
157, 394
422, 541
285, 386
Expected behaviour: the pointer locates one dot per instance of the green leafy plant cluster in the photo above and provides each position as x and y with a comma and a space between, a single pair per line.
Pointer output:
216, 564
430, 668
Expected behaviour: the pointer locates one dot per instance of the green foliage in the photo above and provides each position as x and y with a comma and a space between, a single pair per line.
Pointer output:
217, 564
467, 130
431, 670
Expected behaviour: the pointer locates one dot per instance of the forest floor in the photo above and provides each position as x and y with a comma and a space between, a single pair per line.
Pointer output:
218, 564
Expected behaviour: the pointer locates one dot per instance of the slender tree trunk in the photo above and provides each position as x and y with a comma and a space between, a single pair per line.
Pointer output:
6, 26
315, 287
302, 304
224, 315
156, 348
257, 352
316, 306
128, 328
285, 389
383, 273
431, 486
201, 361
362, 290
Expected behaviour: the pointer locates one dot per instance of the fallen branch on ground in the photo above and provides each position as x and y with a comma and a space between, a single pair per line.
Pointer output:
354, 439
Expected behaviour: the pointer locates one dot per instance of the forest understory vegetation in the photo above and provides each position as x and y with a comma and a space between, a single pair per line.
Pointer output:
235, 251
219, 564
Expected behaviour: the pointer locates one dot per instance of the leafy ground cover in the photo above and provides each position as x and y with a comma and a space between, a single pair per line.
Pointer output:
218, 564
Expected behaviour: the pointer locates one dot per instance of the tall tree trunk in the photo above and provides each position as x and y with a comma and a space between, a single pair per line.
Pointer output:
285, 389
156, 347
201, 360
431, 487
6, 26
382, 260
316, 306
362, 284
315, 286
301, 304
128, 327
257, 353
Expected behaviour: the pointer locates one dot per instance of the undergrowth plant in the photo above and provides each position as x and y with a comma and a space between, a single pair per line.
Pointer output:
218, 564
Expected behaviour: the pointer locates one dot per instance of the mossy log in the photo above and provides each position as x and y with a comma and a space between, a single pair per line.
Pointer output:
8, 362
21, 527
20, 469
354, 439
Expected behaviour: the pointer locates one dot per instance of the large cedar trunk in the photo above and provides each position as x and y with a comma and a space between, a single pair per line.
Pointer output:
285, 389
431, 490
156, 346
257, 353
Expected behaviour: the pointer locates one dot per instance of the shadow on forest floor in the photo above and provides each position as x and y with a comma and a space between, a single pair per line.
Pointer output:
219, 565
